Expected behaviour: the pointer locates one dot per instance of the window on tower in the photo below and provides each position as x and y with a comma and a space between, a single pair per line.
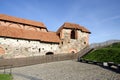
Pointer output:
73, 34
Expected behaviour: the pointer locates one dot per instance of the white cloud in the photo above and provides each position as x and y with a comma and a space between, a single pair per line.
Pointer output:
110, 18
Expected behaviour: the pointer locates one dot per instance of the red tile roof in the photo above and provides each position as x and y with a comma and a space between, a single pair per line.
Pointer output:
68, 25
28, 34
22, 21
13, 32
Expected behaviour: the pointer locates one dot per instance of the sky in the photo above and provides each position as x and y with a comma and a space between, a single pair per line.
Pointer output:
100, 17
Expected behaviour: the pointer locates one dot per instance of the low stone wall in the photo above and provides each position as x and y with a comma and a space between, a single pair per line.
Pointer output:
108, 65
18, 62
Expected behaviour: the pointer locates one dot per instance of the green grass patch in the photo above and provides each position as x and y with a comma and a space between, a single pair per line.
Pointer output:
108, 54
5, 77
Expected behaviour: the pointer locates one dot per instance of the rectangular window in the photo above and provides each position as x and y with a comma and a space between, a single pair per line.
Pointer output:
39, 50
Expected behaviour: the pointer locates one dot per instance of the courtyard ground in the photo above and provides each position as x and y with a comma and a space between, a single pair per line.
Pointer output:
64, 70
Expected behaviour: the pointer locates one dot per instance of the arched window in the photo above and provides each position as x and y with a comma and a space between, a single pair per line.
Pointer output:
49, 53
73, 34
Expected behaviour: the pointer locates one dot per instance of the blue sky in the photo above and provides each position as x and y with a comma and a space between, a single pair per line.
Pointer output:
101, 17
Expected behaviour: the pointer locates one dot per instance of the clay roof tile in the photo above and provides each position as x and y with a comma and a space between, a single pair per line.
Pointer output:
73, 26
20, 20
29, 34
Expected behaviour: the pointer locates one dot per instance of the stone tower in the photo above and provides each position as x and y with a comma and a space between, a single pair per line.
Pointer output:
73, 37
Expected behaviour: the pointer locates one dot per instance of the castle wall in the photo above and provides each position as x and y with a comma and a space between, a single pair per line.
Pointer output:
26, 48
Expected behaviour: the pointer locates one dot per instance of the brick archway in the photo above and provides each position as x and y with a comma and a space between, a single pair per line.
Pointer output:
2, 51
72, 51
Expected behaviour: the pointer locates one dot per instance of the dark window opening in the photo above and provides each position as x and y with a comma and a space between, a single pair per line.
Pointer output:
59, 34
84, 42
39, 49
49, 53
72, 51
62, 42
28, 40
73, 34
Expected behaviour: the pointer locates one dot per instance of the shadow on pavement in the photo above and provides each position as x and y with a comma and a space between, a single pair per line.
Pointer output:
26, 76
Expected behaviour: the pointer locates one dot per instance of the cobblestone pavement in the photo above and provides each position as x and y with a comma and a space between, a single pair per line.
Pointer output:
64, 70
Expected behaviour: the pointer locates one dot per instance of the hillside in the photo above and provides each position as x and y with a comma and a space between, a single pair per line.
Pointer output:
109, 53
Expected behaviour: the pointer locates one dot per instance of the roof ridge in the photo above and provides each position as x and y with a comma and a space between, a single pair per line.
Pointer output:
70, 23
73, 25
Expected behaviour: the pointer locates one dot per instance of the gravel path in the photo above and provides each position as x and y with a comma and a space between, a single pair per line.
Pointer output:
64, 70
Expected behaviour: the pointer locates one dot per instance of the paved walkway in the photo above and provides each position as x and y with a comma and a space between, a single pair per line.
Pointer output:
64, 70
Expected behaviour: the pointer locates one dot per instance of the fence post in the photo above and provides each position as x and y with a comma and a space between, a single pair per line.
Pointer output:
4, 69
11, 69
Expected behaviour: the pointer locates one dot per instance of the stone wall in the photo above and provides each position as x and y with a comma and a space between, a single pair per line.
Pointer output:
23, 48
69, 45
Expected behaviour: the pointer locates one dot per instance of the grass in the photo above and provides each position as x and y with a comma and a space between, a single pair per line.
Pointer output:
108, 54
5, 77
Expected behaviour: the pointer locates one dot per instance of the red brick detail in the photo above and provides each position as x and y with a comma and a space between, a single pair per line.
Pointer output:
72, 51
2, 51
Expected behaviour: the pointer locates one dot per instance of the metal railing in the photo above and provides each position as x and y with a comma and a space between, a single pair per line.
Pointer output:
95, 46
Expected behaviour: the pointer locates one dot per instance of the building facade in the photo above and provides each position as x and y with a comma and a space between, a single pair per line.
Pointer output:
24, 38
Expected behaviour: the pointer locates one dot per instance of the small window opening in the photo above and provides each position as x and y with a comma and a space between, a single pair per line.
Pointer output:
49, 53
84, 42
59, 34
39, 50
62, 42
73, 34
72, 51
